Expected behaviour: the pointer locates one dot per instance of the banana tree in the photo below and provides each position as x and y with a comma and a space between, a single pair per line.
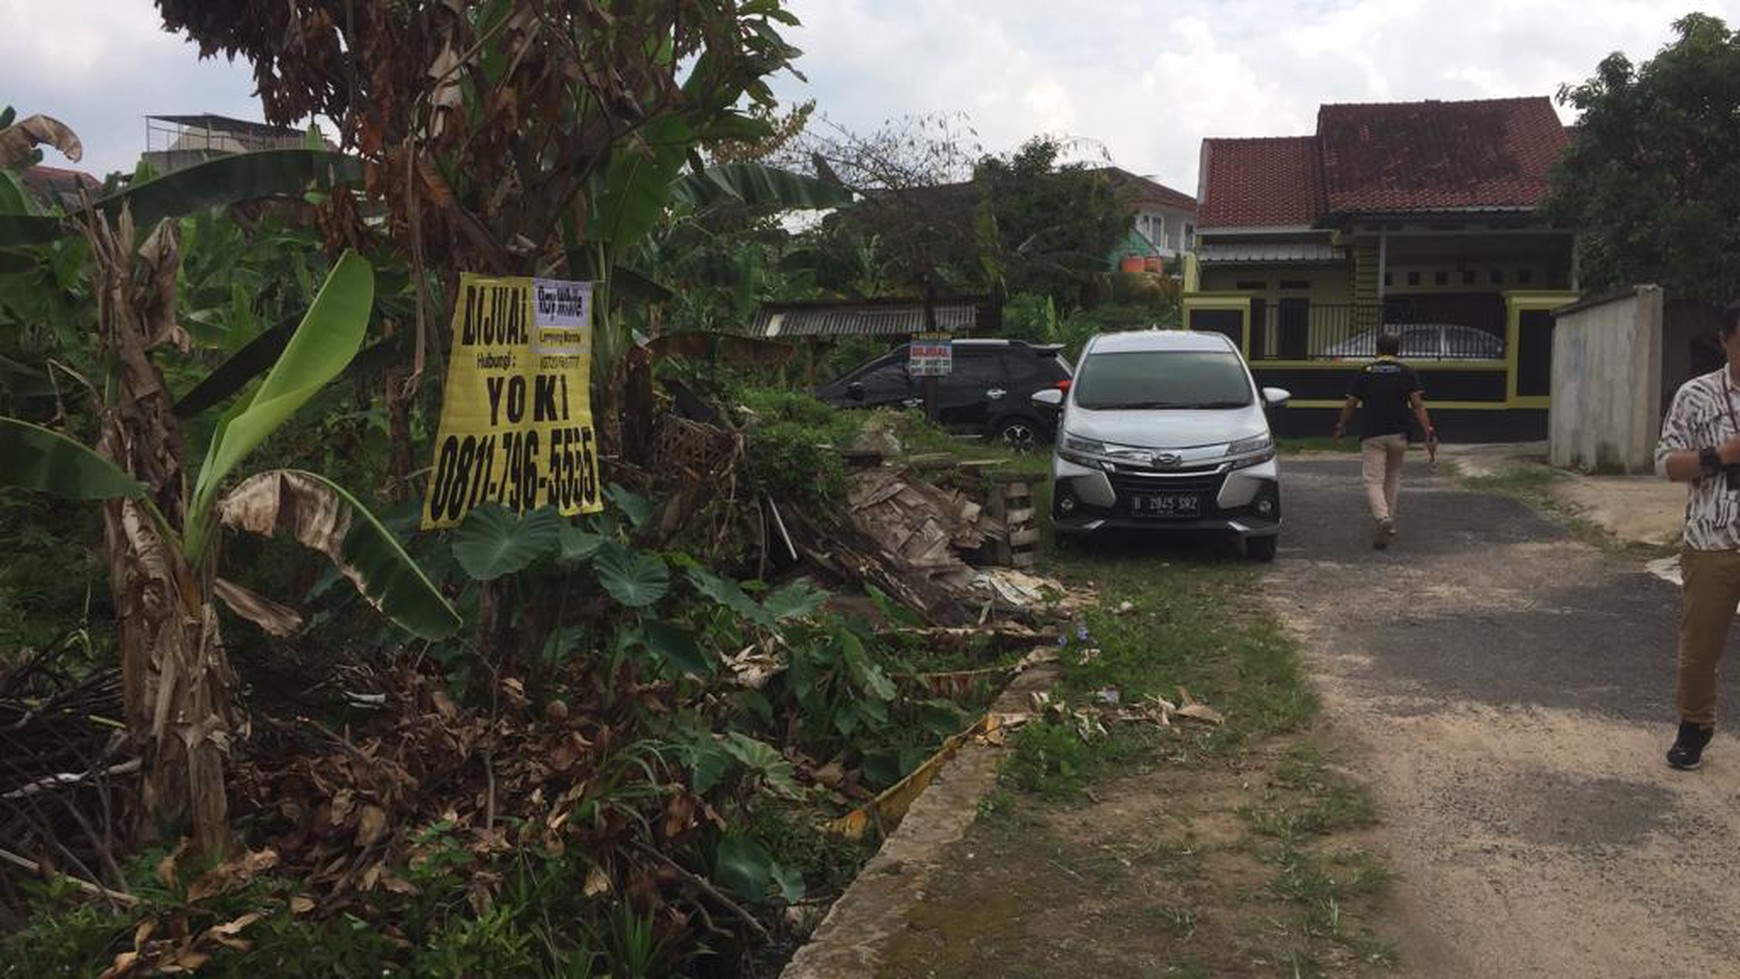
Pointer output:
162, 540
645, 184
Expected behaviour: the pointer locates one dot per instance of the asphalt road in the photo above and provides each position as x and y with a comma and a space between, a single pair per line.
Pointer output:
1508, 691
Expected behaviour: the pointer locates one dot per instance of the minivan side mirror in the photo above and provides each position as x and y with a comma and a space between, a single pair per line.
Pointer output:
1276, 397
855, 391
1047, 398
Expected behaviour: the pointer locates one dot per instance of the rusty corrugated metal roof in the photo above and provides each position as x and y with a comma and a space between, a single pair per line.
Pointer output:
847, 319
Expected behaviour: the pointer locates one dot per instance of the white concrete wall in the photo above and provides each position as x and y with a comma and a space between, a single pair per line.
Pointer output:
1606, 406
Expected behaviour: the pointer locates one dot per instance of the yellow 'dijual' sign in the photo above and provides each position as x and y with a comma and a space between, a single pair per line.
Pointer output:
516, 419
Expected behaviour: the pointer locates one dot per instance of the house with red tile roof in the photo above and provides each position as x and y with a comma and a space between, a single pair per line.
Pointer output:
60, 185
1418, 218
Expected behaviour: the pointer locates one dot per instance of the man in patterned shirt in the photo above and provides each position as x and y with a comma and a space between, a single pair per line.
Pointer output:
1700, 445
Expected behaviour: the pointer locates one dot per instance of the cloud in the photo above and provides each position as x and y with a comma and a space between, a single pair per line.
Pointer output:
1142, 79
101, 66
1148, 83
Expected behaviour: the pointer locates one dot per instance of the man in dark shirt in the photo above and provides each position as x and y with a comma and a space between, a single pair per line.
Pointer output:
1388, 396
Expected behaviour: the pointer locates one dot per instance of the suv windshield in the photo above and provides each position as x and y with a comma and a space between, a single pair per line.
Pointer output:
1162, 379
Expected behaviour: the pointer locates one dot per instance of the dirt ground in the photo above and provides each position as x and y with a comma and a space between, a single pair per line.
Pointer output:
1157, 876
1507, 694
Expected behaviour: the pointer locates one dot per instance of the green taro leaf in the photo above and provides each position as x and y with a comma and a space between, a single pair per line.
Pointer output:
790, 881
743, 867
795, 601
731, 595
764, 760
637, 508
322, 515
493, 541
708, 764
575, 546
635, 580
329, 336
675, 647
42, 459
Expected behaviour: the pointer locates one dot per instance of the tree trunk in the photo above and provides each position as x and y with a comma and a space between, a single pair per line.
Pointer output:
178, 690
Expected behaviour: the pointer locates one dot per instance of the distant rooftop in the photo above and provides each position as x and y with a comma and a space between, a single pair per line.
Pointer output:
59, 185
176, 141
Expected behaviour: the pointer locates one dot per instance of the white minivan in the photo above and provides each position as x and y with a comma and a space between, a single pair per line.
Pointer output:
1166, 430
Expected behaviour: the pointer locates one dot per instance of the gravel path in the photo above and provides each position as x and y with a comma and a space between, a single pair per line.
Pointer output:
1508, 693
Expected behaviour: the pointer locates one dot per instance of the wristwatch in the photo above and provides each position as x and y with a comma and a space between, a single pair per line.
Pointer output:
1709, 461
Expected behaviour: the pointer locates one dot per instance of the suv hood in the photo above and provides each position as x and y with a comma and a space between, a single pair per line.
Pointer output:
1166, 428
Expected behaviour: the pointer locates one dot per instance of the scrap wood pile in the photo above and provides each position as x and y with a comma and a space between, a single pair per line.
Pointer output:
906, 526
903, 534
63, 778
909, 533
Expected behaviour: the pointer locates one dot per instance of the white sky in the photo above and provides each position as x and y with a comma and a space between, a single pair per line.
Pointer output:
1145, 79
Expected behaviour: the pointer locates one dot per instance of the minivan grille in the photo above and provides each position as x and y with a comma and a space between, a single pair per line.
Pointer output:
1207, 484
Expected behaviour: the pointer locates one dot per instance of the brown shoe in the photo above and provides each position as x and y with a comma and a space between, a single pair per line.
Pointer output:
1380, 537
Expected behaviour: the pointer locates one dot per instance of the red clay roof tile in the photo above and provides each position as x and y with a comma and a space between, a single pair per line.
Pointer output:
1390, 157
1269, 182
1416, 156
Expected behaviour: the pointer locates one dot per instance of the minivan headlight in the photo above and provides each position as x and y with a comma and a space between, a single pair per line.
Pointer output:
1082, 452
1075, 443
1251, 451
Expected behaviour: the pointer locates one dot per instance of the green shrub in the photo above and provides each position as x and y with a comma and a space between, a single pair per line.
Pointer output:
1050, 760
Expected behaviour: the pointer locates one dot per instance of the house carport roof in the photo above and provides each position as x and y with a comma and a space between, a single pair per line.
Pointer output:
1285, 251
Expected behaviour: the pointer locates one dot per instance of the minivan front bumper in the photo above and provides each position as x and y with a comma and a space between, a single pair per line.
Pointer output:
1245, 501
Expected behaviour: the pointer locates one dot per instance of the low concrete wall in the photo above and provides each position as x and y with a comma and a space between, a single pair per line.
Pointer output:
1606, 405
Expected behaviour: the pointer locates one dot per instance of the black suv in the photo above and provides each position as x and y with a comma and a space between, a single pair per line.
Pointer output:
987, 394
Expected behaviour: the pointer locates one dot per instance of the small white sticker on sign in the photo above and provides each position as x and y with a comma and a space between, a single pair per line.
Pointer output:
561, 313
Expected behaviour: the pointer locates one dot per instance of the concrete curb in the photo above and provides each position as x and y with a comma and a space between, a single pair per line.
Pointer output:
852, 939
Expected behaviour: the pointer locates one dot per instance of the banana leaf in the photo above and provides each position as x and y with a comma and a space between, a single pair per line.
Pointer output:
628, 200
42, 459
215, 183
757, 185
229, 377
323, 516
232, 179
30, 229
329, 336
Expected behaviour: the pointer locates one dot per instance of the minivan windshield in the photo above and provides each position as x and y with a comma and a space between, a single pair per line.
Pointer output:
1162, 379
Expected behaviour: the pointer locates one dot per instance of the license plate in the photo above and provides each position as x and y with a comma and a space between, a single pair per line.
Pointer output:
1166, 505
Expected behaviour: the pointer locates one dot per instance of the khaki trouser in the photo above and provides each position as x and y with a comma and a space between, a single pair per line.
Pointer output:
1712, 588
1382, 456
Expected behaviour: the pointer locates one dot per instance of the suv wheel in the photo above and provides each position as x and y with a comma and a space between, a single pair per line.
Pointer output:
1017, 434
1261, 548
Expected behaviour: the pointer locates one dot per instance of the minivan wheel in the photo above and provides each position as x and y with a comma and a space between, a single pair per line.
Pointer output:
1261, 548
1017, 434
